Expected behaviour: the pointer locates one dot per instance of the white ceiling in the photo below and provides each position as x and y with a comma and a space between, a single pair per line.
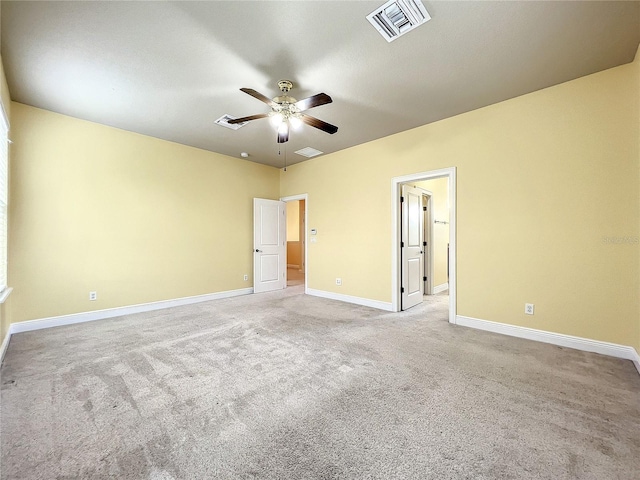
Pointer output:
170, 69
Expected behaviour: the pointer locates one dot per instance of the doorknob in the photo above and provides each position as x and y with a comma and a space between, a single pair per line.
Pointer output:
258, 251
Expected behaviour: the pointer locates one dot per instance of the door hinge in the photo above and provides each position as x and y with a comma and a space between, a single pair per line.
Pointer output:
424, 279
424, 209
424, 244
401, 289
401, 244
401, 199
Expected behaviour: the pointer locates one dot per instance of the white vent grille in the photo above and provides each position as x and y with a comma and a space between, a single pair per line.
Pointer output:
397, 17
309, 152
223, 121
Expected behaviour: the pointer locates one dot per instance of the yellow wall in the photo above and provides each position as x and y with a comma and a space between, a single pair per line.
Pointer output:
4, 91
135, 218
636, 67
295, 214
542, 179
294, 254
293, 224
440, 211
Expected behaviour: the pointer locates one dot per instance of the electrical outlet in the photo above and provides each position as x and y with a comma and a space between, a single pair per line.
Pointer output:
338, 281
528, 308
246, 277
93, 296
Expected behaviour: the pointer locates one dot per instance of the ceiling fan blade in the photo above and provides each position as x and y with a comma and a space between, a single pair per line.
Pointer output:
246, 119
313, 101
259, 96
316, 122
283, 133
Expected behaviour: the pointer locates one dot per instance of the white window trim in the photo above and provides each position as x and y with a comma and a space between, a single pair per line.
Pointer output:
5, 294
6, 291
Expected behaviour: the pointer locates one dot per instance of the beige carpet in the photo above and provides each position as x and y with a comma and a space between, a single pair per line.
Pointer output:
287, 386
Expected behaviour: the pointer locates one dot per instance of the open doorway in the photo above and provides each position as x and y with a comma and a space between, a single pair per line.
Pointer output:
440, 231
436, 234
296, 211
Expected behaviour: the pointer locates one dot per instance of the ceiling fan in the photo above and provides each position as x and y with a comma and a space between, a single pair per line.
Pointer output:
286, 111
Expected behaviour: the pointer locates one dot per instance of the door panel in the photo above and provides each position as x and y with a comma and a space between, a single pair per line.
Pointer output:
414, 203
414, 275
269, 225
269, 268
412, 249
269, 245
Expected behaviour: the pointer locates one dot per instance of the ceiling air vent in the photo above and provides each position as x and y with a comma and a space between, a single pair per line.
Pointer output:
397, 17
224, 122
309, 152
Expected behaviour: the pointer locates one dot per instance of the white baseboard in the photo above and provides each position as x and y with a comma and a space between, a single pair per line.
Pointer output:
5, 344
441, 288
569, 341
636, 360
578, 343
350, 299
38, 324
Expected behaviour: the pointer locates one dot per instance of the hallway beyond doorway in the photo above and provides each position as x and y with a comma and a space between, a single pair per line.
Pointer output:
294, 277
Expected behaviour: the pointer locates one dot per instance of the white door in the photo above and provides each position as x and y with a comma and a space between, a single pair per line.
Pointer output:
412, 287
269, 245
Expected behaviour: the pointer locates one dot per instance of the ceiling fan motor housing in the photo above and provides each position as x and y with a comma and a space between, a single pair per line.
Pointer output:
285, 85
285, 101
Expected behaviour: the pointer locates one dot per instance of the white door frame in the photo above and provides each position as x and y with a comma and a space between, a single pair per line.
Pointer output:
305, 197
449, 173
428, 226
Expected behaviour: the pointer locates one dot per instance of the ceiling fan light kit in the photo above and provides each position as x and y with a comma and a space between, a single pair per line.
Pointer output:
286, 111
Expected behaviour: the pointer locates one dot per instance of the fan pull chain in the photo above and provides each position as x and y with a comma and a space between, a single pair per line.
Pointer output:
285, 156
